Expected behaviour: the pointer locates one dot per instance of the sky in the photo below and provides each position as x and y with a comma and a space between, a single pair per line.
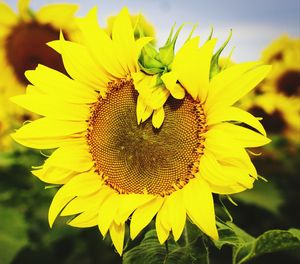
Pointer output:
254, 23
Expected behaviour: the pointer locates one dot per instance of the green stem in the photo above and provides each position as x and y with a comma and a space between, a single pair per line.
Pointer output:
206, 248
186, 235
167, 247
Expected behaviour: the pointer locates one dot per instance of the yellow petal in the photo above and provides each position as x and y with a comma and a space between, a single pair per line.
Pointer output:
222, 81
143, 112
80, 204
128, 203
101, 47
42, 78
243, 136
82, 184
192, 66
107, 213
123, 36
87, 203
90, 217
158, 117
117, 234
86, 219
234, 114
238, 88
8, 17
47, 133
23, 8
53, 175
80, 65
177, 213
175, 89
200, 206
228, 151
53, 107
223, 175
143, 215
161, 231
228, 189
59, 15
75, 157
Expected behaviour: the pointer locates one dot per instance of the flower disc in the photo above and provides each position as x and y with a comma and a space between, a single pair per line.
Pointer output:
289, 83
26, 48
139, 158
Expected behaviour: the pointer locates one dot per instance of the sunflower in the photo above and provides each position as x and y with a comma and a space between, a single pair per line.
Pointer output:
280, 114
284, 55
23, 38
112, 167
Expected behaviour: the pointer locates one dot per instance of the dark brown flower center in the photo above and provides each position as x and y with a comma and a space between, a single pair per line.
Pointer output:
139, 158
273, 123
289, 83
26, 48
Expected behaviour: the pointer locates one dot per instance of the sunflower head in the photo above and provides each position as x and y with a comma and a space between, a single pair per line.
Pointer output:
284, 54
279, 114
111, 166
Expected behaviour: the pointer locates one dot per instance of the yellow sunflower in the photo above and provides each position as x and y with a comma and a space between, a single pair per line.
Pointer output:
112, 167
23, 38
284, 55
280, 114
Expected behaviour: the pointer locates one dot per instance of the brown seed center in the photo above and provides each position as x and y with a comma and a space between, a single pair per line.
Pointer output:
139, 158
274, 123
26, 48
289, 83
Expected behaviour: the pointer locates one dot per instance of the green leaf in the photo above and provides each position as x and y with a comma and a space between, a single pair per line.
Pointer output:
150, 251
264, 195
232, 235
13, 233
270, 241
246, 247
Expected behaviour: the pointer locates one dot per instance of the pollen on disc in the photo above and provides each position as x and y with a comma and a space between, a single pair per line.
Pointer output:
138, 158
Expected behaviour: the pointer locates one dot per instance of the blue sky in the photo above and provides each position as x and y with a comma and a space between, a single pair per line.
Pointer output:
255, 23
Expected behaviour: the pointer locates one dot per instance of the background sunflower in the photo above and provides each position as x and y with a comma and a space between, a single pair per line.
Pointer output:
23, 38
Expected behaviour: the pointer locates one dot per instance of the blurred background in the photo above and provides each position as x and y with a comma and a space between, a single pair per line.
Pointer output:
262, 30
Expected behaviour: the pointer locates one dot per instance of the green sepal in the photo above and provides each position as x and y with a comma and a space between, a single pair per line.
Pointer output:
191, 33
148, 61
159, 81
31, 14
215, 68
210, 34
166, 53
151, 71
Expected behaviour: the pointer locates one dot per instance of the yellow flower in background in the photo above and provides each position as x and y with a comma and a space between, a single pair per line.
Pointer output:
280, 114
139, 23
23, 38
110, 165
284, 55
